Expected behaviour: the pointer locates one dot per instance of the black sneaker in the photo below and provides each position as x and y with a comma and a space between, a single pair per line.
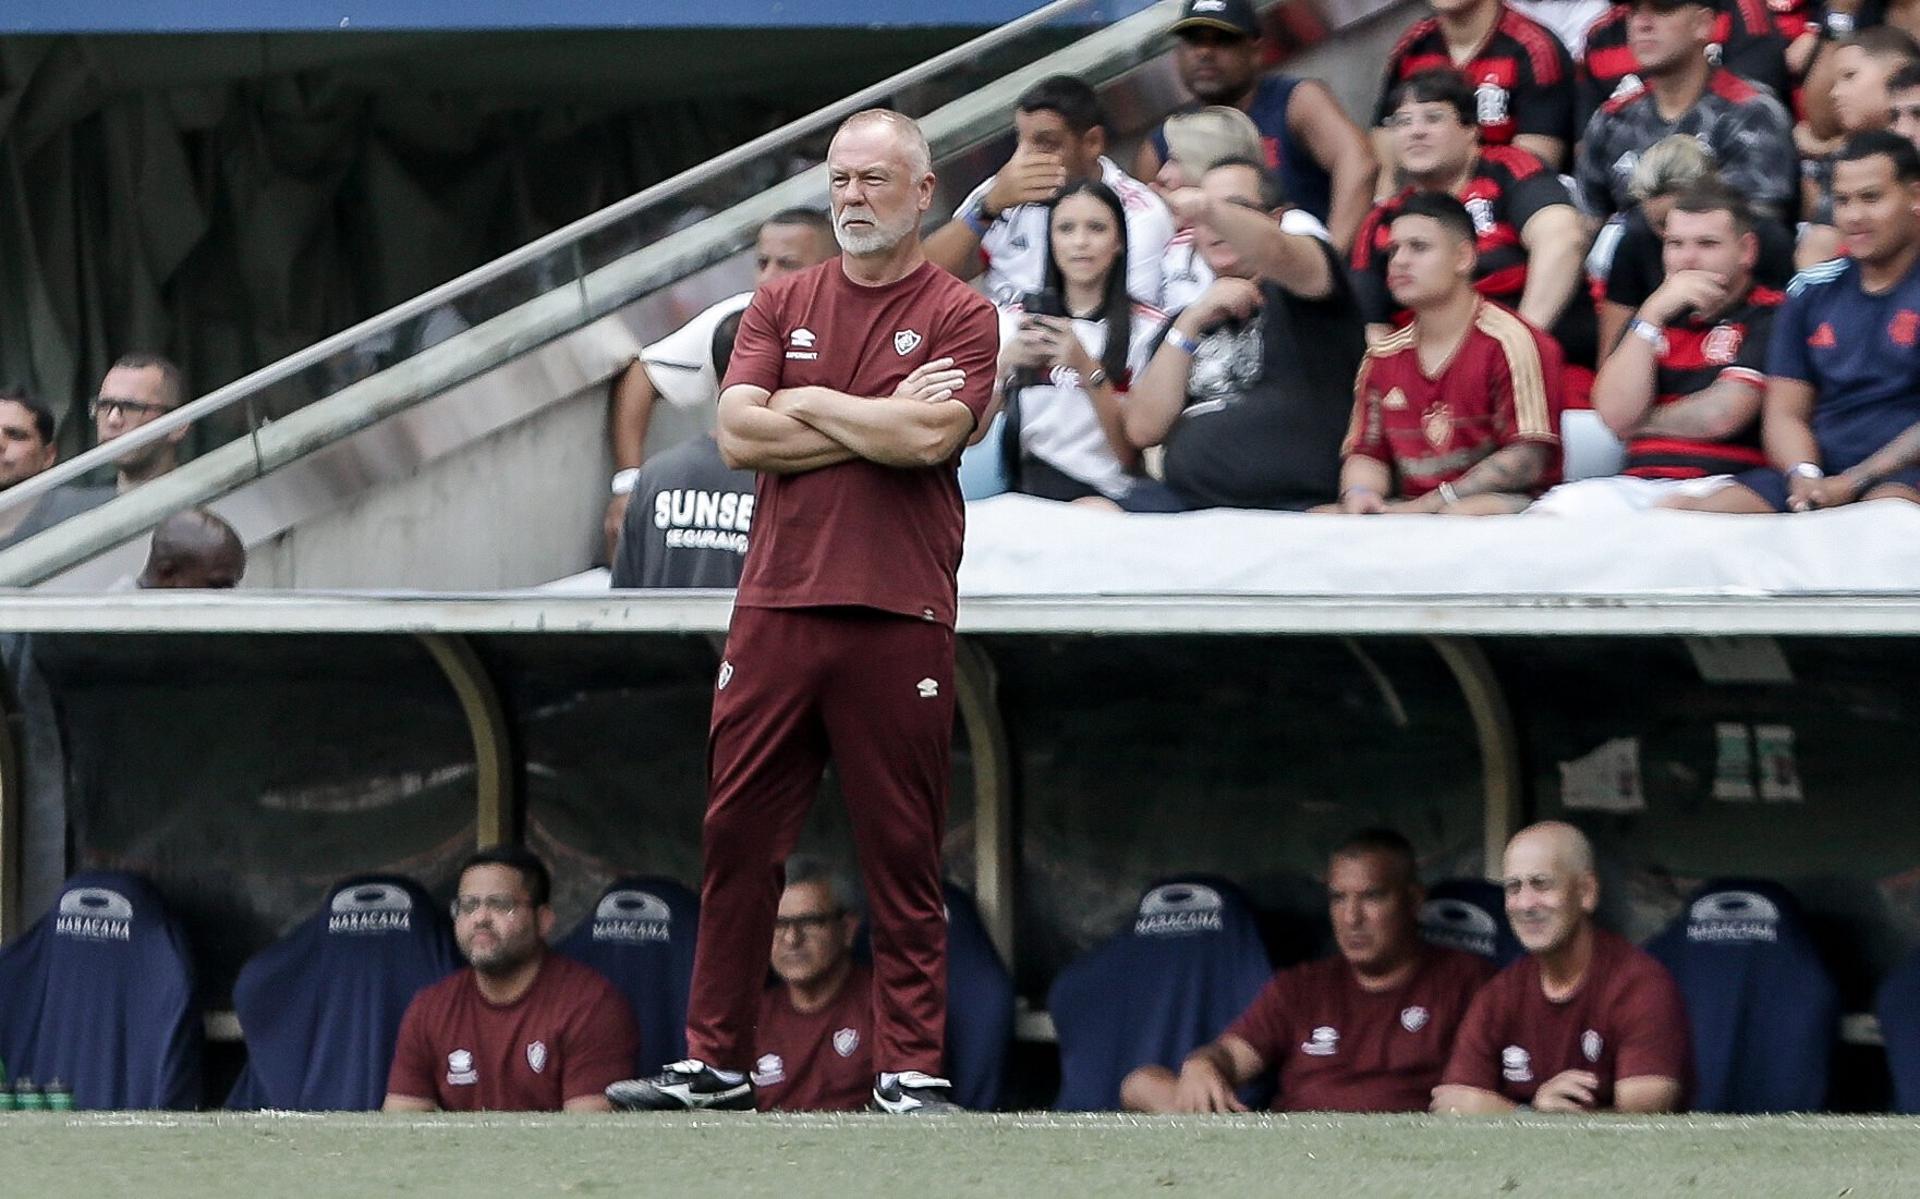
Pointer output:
687, 1086
913, 1093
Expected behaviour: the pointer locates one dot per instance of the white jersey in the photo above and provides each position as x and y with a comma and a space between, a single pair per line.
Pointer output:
1058, 424
1184, 274
1015, 247
681, 363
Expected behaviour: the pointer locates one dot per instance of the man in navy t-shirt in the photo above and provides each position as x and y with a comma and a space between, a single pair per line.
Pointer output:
1844, 362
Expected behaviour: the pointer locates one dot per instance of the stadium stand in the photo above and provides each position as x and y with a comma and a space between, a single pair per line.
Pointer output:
1763, 1011
1469, 914
321, 1006
1188, 961
979, 1007
100, 995
640, 935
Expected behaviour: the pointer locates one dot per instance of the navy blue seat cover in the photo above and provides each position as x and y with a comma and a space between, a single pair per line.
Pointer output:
979, 1007
1899, 1006
1763, 1010
1470, 914
320, 1007
99, 995
1188, 961
640, 936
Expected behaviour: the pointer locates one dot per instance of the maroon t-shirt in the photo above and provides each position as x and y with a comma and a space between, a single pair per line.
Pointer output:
1626, 1020
820, 1061
1338, 1047
861, 534
570, 1035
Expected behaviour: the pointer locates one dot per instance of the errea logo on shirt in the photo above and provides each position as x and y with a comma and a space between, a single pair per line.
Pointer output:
800, 345
460, 1071
1516, 1064
1324, 1042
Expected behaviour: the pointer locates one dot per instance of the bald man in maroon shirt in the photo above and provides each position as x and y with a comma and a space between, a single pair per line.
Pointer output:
852, 389
1587, 1021
1367, 1030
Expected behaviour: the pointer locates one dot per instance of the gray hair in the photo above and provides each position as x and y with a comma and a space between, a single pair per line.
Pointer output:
1669, 166
805, 868
913, 143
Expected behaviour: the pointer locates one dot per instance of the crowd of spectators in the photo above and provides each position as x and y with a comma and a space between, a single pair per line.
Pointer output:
1559, 206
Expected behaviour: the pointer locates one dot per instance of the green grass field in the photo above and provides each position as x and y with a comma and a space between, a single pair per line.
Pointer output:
157, 1155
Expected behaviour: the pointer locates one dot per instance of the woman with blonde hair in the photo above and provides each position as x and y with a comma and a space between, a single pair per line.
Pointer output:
1625, 263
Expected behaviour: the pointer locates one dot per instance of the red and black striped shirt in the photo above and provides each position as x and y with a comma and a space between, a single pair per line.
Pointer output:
1699, 354
1521, 75
1744, 36
1507, 186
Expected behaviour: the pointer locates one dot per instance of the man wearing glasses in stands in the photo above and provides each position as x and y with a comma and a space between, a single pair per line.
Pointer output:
139, 389
521, 1029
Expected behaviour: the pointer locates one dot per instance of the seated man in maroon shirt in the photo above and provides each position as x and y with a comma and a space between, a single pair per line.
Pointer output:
816, 1024
1586, 1022
1366, 1030
521, 1029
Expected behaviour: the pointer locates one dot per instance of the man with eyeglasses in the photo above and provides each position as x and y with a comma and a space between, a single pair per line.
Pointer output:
138, 390
816, 1023
521, 1029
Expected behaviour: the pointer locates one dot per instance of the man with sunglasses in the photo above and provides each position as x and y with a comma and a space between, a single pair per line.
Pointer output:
814, 1040
521, 1029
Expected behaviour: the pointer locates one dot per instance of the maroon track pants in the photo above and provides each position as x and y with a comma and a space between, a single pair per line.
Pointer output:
874, 692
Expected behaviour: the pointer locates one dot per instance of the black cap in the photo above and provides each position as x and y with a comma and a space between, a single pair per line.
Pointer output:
1231, 16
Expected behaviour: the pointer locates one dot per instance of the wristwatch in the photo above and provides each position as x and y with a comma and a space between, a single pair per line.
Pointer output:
624, 481
1806, 470
1648, 332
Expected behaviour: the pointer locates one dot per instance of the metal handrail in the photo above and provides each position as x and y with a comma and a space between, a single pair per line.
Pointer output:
240, 389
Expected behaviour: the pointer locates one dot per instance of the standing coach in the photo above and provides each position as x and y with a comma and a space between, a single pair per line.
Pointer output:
853, 387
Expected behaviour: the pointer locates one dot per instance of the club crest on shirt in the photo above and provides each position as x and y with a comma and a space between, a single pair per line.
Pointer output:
1437, 424
1721, 344
537, 1056
904, 341
1516, 1064
1591, 1044
1413, 1019
1481, 210
846, 1041
460, 1071
1325, 1042
1490, 102
1905, 329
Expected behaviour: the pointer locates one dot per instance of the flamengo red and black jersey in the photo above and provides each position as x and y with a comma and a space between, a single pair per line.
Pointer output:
1506, 188
1521, 75
1699, 354
860, 534
1743, 35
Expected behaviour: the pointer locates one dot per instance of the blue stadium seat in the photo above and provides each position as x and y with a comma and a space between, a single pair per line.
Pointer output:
1899, 1006
1188, 962
1470, 914
641, 937
1763, 1010
99, 995
320, 1007
979, 1007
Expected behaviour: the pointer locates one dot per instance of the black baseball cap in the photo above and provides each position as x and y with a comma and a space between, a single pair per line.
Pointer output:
1231, 16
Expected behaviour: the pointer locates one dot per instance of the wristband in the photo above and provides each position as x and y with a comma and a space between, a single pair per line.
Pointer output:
624, 481
1094, 380
1358, 487
1648, 332
1180, 341
1806, 470
1448, 494
975, 219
